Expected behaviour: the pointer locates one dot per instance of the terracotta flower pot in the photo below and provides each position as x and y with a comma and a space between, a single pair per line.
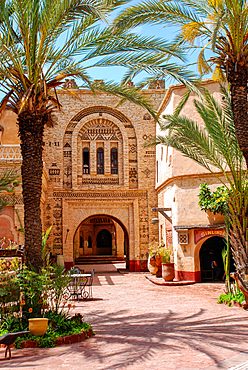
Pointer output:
152, 267
168, 272
217, 218
38, 326
158, 259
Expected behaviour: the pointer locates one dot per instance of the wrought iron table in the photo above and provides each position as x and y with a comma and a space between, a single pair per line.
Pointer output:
78, 284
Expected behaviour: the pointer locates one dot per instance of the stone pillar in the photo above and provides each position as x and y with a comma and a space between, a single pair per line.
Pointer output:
93, 159
107, 167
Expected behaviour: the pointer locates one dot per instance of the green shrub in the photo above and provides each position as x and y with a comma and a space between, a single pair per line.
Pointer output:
228, 298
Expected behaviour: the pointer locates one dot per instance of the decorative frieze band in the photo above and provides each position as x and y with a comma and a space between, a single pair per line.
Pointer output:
102, 194
101, 181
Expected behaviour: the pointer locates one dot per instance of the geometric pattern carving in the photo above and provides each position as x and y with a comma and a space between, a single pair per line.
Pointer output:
10, 152
100, 129
54, 171
132, 173
18, 199
57, 225
147, 117
101, 194
147, 172
183, 237
110, 181
98, 109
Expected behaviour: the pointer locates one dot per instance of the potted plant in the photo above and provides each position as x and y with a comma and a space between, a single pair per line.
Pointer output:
166, 254
154, 260
156, 252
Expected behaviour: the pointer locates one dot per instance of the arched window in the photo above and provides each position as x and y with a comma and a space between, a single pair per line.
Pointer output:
86, 161
100, 161
114, 161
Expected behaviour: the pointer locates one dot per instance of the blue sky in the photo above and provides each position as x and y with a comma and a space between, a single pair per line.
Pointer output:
159, 31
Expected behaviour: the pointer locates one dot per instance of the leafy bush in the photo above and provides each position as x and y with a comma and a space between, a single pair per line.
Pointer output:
60, 325
26, 294
165, 252
228, 298
213, 201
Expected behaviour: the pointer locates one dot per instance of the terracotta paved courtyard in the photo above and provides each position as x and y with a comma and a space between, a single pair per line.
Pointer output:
142, 326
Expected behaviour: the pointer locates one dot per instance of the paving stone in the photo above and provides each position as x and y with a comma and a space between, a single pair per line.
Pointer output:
141, 326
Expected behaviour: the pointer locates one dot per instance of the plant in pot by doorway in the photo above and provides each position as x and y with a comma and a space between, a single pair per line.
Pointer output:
159, 254
166, 254
154, 260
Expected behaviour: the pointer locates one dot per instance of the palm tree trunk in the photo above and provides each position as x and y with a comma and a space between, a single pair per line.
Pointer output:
31, 128
237, 77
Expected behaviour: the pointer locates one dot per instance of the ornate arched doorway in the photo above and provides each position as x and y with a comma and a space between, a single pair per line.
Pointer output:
104, 243
211, 260
101, 235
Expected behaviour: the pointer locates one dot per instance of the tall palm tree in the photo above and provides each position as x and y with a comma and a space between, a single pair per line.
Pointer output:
218, 25
215, 147
41, 43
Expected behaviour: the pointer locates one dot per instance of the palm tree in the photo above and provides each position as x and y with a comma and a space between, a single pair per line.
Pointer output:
220, 26
41, 43
215, 147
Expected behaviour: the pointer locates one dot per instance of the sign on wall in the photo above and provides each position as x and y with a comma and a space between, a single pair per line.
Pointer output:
203, 233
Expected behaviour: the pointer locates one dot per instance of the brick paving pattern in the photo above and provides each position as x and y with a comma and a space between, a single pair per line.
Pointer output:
140, 325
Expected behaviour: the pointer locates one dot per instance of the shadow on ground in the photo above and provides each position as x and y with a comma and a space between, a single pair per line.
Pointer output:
141, 337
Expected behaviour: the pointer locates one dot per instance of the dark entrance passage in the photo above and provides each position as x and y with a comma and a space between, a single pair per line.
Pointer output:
212, 267
104, 243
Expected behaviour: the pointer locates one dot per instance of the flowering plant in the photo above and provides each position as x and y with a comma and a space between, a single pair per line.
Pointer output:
161, 251
213, 201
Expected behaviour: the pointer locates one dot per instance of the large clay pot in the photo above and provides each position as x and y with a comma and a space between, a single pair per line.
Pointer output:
158, 259
152, 267
38, 326
217, 218
168, 272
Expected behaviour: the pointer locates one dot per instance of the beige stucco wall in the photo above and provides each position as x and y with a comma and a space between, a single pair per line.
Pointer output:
178, 184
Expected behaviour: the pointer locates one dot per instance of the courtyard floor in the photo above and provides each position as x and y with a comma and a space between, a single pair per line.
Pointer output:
142, 326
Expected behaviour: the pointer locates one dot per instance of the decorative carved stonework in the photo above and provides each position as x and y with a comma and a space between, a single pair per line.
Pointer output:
98, 109
11, 200
111, 181
133, 148
147, 172
70, 84
133, 173
54, 171
57, 227
101, 194
100, 129
147, 117
145, 137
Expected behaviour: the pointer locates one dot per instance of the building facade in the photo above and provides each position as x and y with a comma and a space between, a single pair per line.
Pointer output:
192, 232
98, 180
100, 183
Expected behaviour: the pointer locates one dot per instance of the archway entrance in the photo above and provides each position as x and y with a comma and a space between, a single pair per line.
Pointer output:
211, 261
104, 242
101, 235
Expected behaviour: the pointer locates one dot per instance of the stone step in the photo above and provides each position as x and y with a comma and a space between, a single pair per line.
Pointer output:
91, 260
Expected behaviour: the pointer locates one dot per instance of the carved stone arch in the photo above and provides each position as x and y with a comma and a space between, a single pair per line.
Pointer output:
100, 110
102, 115
100, 129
